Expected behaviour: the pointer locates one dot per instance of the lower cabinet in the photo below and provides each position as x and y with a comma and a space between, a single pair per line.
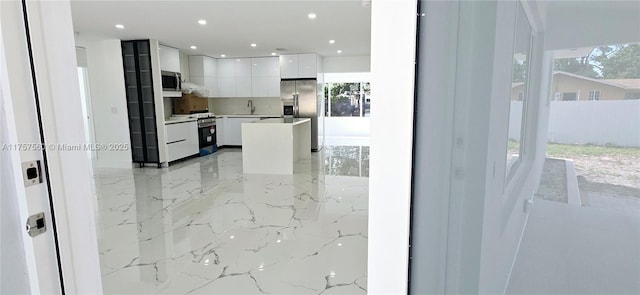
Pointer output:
229, 129
182, 140
220, 131
233, 134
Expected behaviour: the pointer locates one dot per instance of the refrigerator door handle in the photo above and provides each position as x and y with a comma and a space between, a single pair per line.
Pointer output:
296, 106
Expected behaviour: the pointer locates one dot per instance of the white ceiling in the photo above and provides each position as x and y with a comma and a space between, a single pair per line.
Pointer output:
232, 25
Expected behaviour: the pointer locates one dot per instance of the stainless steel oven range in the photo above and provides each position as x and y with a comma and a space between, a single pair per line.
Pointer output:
207, 135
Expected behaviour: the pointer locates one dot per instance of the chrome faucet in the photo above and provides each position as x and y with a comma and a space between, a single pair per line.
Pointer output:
250, 106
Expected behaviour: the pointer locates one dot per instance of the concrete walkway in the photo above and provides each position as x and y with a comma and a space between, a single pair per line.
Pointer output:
578, 250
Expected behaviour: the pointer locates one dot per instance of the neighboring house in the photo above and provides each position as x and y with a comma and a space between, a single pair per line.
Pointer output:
570, 87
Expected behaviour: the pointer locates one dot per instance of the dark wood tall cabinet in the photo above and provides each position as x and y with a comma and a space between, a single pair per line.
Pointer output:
140, 101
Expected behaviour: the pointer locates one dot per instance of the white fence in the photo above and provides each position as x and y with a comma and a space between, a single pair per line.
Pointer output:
614, 122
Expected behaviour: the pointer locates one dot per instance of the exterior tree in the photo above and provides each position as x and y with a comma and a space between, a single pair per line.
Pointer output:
608, 62
623, 63
578, 66
519, 71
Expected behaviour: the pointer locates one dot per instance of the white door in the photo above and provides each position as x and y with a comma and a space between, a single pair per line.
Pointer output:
28, 264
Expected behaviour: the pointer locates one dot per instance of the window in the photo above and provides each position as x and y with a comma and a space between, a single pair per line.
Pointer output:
594, 95
518, 109
569, 96
632, 95
351, 99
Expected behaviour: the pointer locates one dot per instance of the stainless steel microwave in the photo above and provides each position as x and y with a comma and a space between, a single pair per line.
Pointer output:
171, 81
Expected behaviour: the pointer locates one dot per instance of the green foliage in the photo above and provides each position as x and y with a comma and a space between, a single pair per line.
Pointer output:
519, 71
578, 66
569, 150
623, 64
608, 62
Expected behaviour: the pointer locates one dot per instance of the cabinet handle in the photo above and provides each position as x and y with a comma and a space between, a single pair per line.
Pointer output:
177, 141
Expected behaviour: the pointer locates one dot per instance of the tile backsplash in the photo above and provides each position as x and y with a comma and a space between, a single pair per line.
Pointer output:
237, 106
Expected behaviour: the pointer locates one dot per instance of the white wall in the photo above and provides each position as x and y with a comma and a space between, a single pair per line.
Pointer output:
347, 64
393, 35
108, 98
347, 126
595, 122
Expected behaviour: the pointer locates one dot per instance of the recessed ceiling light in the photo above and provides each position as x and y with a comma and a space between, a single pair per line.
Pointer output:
119, 26
253, 45
202, 21
332, 41
311, 15
222, 55
237, 59
273, 53
193, 47
339, 51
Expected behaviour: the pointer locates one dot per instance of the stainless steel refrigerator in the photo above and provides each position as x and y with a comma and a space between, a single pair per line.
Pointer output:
307, 97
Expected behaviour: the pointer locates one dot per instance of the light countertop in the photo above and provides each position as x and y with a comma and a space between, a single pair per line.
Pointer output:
292, 121
179, 120
247, 116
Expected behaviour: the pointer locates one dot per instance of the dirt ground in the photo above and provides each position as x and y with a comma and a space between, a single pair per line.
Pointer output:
612, 169
610, 165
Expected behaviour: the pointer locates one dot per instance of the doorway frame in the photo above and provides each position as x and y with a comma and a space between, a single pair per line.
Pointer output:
54, 58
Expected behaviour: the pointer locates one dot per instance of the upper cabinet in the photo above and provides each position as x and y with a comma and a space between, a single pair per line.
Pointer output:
307, 67
265, 77
169, 59
295, 66
203, 71
289, 66
234, 77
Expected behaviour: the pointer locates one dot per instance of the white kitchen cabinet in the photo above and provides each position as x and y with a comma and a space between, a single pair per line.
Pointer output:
226, 68
307, 67
233, 131
294, 66
260, 87
243, 86
210, 67
169, 59
226, 87
289, 66
265, 77
196, 65
273, 84
182, 140
273, 67
220, 131
243, 68
234, 77
203, 71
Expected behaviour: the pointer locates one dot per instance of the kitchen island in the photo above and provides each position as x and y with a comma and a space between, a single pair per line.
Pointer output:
273, 146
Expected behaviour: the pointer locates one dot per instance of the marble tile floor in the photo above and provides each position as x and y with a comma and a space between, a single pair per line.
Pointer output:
203, 227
